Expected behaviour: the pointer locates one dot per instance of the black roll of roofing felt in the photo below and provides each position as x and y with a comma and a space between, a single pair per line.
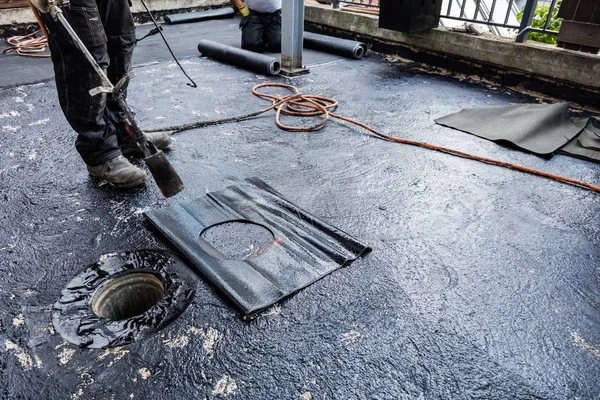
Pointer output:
330, 44
240, 58
222, 13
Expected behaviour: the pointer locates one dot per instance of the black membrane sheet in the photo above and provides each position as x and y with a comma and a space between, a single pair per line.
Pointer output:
539, 128
304, 249
587, 144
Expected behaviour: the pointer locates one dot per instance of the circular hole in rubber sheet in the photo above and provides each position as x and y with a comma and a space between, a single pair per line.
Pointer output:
123, 298
238, 239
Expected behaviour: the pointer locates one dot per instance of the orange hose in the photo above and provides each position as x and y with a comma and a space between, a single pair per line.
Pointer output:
38, 18
306, 106
301, 105
28, 46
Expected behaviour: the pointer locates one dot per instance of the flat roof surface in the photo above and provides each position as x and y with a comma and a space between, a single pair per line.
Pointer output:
483, 282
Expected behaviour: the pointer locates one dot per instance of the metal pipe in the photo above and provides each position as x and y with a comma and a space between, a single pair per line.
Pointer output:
493, 8
108, 86
240, 58
528, 14
222, 13
462, 9
292, 29
549, 16
499, 24
508, 10
329, 44
477, 6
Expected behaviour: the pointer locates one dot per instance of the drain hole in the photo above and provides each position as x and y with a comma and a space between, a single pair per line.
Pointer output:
238, 240
127, 296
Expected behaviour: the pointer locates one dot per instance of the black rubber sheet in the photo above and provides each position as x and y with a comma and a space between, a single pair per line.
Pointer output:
305, 250
587, 144
539, 128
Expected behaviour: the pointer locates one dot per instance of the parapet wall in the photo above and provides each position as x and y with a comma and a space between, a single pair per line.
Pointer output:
531, 58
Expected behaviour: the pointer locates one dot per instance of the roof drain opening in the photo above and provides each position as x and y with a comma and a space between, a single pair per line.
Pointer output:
124, 297
127, 296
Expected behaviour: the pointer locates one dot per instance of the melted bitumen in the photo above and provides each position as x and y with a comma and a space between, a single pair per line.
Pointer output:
483, 282
74, 319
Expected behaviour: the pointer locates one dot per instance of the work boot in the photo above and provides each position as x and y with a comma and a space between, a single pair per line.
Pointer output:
120, 172
161, 140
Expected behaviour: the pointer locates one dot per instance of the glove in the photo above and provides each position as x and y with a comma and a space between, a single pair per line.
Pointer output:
244, 11
41, 5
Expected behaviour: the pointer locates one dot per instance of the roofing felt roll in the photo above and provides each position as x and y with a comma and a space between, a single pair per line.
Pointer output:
240, 58
221, 13
333, 45
302, 248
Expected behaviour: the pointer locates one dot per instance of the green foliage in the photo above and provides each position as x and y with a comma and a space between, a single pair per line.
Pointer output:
539, 20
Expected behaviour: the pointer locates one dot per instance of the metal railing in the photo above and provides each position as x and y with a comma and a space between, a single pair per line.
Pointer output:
336, 3
484, 12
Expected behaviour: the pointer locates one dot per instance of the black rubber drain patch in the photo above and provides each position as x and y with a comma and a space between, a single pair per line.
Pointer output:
123, 298
253, 244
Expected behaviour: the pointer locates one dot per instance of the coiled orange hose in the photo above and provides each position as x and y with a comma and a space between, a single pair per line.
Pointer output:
31, 45
301, 105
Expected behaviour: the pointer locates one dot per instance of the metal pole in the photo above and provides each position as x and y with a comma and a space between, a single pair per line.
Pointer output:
292, 37
528, 14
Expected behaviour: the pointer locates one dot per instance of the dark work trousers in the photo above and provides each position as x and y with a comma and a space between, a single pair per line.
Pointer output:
261, 31
106, 28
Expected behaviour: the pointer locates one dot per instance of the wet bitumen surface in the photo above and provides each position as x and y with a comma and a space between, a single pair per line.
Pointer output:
483, 282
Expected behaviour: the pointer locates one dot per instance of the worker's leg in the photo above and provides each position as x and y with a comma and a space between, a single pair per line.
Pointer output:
252, 32
120, 31
272, 31
96, 141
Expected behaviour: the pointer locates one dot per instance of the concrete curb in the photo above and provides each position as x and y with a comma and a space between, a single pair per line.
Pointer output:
530, 58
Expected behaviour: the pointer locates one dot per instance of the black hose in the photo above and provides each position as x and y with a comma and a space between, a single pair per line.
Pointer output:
193, 84
153, 32
240, 58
